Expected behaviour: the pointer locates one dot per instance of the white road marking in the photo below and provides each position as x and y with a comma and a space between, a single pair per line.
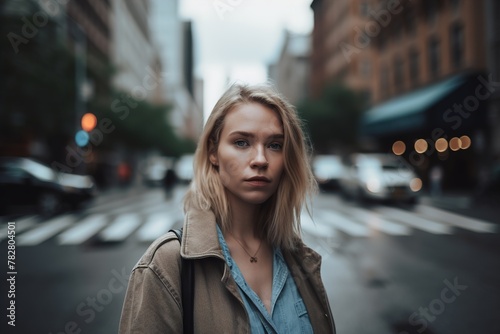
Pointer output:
21, 225
343, 223
45, 231
376, 221
313, 228
84, 229
156, 225
120, 228
415, 221
472, 224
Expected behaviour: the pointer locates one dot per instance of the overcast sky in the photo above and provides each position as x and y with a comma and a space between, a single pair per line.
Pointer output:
235, 40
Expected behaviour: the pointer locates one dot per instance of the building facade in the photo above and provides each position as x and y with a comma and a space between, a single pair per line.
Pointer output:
174, 39
336, 30
290, 73
426, 70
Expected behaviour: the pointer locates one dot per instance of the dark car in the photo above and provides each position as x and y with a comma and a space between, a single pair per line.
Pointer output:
29, 186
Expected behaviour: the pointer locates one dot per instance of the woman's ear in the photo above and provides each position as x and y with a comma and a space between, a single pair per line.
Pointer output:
213, 159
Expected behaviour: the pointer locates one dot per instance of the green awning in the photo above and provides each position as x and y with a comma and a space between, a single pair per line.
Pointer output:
408, 111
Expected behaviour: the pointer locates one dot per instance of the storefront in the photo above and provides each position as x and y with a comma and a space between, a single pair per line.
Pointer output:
441, 126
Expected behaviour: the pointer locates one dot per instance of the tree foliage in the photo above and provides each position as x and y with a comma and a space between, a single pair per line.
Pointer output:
332, 119
140, 125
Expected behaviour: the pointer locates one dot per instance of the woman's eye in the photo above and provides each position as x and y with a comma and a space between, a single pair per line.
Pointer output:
276, 146
240, 143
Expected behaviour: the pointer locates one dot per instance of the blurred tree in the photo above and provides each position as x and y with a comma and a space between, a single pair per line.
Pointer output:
38, 91
37, 81
139, 124
332, 119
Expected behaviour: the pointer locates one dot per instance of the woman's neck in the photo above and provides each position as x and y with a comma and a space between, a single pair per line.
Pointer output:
243, 219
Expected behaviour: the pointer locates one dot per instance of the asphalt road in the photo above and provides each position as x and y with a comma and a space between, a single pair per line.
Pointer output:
387, 269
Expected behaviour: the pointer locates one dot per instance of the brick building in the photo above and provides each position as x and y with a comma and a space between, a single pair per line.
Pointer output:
426, 68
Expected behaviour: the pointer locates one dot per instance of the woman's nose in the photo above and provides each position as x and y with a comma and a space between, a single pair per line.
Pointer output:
259, 159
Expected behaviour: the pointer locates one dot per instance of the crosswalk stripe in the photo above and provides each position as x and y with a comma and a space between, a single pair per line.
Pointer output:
136, 204
120, 228
156, 225
472, 224
343, 223
313, 228
81, 232
415, 221
21, 225
376, 221
45, 231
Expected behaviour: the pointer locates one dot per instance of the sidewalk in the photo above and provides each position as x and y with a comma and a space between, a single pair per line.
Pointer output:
461, 202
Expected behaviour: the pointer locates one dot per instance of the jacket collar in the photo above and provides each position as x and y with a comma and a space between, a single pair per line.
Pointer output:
199, 237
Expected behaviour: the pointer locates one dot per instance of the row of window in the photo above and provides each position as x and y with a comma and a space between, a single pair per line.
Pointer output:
434, 57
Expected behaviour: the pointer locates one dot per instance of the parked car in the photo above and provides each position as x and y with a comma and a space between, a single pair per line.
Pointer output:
327, 170
380, 177
27, 185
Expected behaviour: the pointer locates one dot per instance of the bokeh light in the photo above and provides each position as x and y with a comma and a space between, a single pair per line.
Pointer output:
465, 142
421, 145
81, 138
455, 143
89, 121
416, 184
441, 145
398, 148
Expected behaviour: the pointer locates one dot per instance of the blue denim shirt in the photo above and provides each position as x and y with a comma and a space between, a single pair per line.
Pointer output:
288, 311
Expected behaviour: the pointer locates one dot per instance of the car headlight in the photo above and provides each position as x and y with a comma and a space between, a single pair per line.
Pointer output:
416, 184
374, 185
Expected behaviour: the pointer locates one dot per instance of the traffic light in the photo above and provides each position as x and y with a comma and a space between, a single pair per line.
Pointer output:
89, 121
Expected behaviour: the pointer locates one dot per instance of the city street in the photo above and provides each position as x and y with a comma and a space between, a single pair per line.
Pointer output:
387, 269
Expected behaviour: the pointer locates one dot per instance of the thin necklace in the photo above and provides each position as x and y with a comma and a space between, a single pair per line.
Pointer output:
253, 258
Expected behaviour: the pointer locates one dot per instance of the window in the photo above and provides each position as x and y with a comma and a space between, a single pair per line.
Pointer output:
398, 74
432, 9
434, 55
455, 5
414, 67
365, 68
384, 81
364, 8
457, 45
410, 22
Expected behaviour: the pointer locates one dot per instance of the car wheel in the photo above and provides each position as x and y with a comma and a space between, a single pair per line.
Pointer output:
49, 203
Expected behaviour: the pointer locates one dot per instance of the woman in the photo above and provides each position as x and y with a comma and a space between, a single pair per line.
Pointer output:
253, 274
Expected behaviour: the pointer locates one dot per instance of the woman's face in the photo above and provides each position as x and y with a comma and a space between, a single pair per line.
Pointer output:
250, 153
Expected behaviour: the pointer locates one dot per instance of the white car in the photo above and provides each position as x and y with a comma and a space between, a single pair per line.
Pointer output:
184, 168
380, 177
327, 170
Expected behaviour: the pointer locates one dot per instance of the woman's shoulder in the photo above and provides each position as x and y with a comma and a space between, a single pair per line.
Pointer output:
163, 253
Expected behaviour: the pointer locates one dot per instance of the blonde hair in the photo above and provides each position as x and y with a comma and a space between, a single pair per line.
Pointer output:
279, 219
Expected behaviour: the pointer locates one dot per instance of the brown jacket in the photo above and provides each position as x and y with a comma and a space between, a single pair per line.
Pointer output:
153, 300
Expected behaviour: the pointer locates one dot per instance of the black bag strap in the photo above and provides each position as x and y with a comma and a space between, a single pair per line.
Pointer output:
187, 286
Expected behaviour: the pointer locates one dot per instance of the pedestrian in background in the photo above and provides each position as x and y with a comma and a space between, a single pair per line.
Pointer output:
436, 176
169, 181
252, 272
